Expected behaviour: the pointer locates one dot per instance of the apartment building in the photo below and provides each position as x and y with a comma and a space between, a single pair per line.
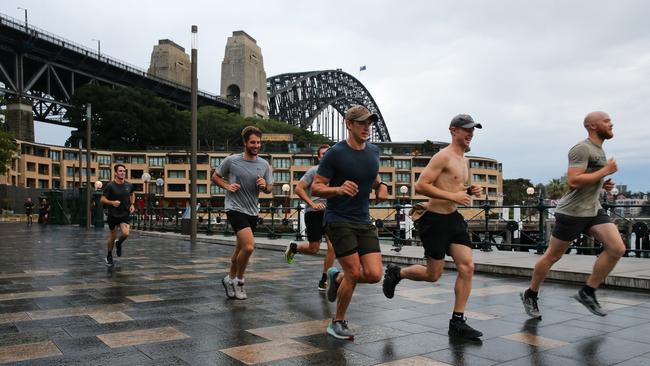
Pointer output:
57, 167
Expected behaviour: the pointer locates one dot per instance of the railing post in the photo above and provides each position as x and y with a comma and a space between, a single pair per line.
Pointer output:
209, 228
272, 232
177, 215
299, 213
397, 239
541, 236
486, 247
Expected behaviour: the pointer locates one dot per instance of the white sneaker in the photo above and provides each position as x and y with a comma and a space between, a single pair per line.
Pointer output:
240, 291
229, 286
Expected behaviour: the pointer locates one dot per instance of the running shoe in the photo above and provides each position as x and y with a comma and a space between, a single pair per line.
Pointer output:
291, 251
391, 279
332, 286
109, 260
530, 305
590, 303
339, 330
322, 285
229, 287
118, 247
240, 291
460, 328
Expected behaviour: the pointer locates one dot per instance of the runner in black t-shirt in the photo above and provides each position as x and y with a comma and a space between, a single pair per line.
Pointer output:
119, 197
29, 206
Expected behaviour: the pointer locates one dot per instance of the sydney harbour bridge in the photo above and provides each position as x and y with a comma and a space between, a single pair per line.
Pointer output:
42, 70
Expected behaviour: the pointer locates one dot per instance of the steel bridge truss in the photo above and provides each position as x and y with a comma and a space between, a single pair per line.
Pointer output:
317, 100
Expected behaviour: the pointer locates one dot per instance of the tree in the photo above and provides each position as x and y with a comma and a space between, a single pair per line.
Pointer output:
127, 118
514, 191
556, 188
8, 148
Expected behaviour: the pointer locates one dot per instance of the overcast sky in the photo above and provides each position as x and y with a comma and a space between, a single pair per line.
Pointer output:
528, 70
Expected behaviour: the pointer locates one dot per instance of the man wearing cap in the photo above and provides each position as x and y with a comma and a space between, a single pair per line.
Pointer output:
346, 176
442, 228
579, 211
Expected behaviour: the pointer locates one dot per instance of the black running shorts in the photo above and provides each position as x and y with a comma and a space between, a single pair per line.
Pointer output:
439, 231
314, 223
568, 228
348, 238
240, 220
116, 221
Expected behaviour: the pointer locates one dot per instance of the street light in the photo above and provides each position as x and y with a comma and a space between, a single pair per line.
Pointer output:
146, 177
285, 189
159, 184
530, 191
19, 8
403, 190
99, 47
98, 185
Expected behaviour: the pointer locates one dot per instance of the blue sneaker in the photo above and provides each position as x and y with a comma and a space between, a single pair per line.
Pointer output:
332, 286
339, 329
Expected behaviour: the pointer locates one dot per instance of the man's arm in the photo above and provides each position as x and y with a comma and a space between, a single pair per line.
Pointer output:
132, 202
302, 193
320, 187
578, 178
425, 184
381, 190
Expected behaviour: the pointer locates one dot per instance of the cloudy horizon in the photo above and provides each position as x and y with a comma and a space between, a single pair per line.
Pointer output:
529, 72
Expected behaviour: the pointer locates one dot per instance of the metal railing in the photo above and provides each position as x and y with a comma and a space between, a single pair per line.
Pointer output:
487, 227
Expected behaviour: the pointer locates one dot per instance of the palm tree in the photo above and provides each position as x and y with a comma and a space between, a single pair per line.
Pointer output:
556, 188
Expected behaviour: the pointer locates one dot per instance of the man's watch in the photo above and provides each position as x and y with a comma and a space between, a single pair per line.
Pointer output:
382, 182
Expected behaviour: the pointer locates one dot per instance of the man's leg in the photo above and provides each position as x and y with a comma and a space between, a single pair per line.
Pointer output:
244, 250
554, 252
111, 239
354, 273
429, 273
458, 326
613, 250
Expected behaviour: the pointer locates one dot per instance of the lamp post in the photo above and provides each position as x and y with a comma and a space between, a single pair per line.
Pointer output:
194, 128
403, 190
530, 191
19, 8
146, 178
159, 185
99, 47
285, 190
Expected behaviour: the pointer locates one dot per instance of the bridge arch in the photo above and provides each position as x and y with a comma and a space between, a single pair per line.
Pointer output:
317, 100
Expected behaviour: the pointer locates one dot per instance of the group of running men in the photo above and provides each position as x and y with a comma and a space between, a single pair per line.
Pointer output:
338, 192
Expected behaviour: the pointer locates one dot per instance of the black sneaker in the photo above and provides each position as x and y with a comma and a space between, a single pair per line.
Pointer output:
460, 328
590, 303
391, 279
109, 260
322, 285
118, 247
530, 305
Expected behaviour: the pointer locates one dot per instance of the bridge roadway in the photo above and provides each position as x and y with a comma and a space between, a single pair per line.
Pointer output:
162, 304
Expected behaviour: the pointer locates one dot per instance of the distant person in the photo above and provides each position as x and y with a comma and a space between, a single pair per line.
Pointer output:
120, 198
442, 228
314, 214
43, 212
346, 176
243, 176
579, 211
29, 208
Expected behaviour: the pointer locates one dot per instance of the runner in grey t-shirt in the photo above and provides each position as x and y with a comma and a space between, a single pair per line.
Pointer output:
243, 176
314, 222
580, 212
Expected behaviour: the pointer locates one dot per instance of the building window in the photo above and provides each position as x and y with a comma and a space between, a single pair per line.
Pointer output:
175, 174
69, 155
31, 183
31, 167
215, 189
122, 159
70, 171
492, 179
201, 175
420, 163
403, 177
104, 159
478, 177
69, 185
104, 174
281, 176
56, 184
84, 170
201, 188
417, 176
43, 169
281, 163
55, 155
176, 187
298, 175
157, 161
137, 159
43, 184
277, 190
386, 162
403, 164
56, 170
137, 173
302, 162
216, 161
386, 177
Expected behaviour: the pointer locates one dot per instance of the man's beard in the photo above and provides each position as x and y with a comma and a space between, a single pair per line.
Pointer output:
605, 135
251, 152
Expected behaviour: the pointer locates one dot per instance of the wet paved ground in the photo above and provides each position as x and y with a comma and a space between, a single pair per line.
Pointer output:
163, 304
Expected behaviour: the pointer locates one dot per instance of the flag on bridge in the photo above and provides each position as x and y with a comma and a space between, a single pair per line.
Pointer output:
362, 68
